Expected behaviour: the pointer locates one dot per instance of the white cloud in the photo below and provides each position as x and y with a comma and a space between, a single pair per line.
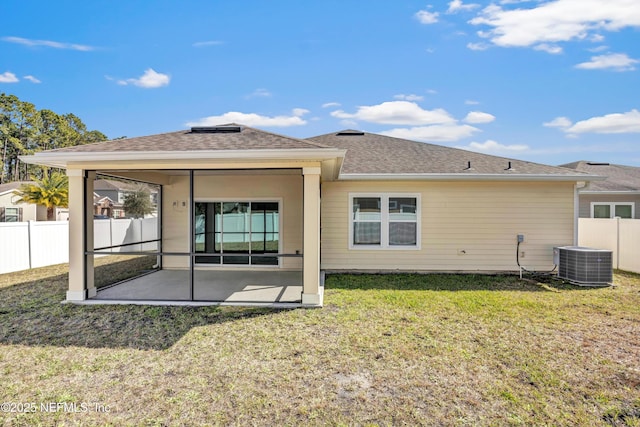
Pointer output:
259, 93
330, 104
48, 43
435, 133
477, 117
397, 113
457, 6
558, 122
490, 146
426, 17
31, 79
349, 123
471, 102
477, 46
598, 49
596, 38
628, 122
252, 119
556, 21
553, 49
432, 91
149, 80
8, 77
208, 43
410, 97
613, 61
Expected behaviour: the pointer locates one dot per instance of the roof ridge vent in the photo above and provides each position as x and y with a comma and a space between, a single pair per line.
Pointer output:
216, 129
350, 133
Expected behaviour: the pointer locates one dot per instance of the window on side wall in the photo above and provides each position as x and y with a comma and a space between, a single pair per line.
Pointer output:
612, 210
384, 221
10, 214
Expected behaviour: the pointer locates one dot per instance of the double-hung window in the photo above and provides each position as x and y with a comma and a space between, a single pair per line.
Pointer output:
612, 210
384, 221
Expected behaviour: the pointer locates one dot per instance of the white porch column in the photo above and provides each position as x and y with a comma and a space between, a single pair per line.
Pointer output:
311, 290
81, 284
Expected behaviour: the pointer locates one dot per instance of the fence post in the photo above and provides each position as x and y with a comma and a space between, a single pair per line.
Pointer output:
29, 237
111, 233
617, 243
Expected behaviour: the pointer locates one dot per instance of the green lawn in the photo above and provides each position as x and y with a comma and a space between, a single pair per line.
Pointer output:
385, 350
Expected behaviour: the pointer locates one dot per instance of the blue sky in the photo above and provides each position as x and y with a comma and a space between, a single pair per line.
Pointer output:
546, 81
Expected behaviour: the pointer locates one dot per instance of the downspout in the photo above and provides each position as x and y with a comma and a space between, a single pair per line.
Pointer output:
576, 209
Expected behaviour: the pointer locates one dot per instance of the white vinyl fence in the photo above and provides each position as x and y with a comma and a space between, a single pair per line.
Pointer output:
32, 244
621, 236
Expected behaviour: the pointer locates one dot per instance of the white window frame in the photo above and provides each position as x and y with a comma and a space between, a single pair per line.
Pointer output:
15, 215
384, 222
612, 208
249, 200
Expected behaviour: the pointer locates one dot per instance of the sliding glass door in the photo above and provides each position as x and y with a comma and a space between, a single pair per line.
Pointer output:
237, 233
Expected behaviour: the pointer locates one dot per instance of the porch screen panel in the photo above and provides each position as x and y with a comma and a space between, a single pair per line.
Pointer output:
264, 232
207, 238
236, 236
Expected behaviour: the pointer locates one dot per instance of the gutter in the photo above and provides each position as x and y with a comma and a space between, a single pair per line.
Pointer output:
468, 177
62, 159
612, 193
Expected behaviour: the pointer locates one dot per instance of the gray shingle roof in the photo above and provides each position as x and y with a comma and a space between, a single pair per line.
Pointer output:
369, 153
619, 177
10, 186
185, 140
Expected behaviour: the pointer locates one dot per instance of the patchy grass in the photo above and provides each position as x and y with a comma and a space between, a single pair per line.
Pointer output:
385, 350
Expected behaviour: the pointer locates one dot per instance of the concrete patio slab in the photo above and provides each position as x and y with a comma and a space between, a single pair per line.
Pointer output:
210, 285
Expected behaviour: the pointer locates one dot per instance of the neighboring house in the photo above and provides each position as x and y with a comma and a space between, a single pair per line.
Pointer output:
10, 211
111, 195
617, 196
104, 207
239, 199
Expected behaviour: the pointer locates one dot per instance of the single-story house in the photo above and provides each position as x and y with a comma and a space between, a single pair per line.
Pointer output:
617, 196
241, 207
12, 211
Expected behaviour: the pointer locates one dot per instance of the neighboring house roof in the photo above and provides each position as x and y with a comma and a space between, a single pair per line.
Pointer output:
385, 156
10, 187
113, 185
619, 178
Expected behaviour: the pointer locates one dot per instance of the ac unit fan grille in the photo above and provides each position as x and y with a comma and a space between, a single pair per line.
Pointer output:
585, 266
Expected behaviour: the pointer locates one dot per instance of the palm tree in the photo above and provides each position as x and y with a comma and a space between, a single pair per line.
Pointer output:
50, 191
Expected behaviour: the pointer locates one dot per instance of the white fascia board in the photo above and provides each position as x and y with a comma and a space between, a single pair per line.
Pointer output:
467, 177
62, 159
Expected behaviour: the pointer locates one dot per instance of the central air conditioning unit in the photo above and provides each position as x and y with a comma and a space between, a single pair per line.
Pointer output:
584, 266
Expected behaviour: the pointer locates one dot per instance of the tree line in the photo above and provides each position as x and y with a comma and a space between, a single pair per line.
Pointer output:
26, 130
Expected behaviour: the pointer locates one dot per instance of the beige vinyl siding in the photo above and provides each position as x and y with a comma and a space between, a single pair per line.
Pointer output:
29, 211
287, 189
480, 218
587, 199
